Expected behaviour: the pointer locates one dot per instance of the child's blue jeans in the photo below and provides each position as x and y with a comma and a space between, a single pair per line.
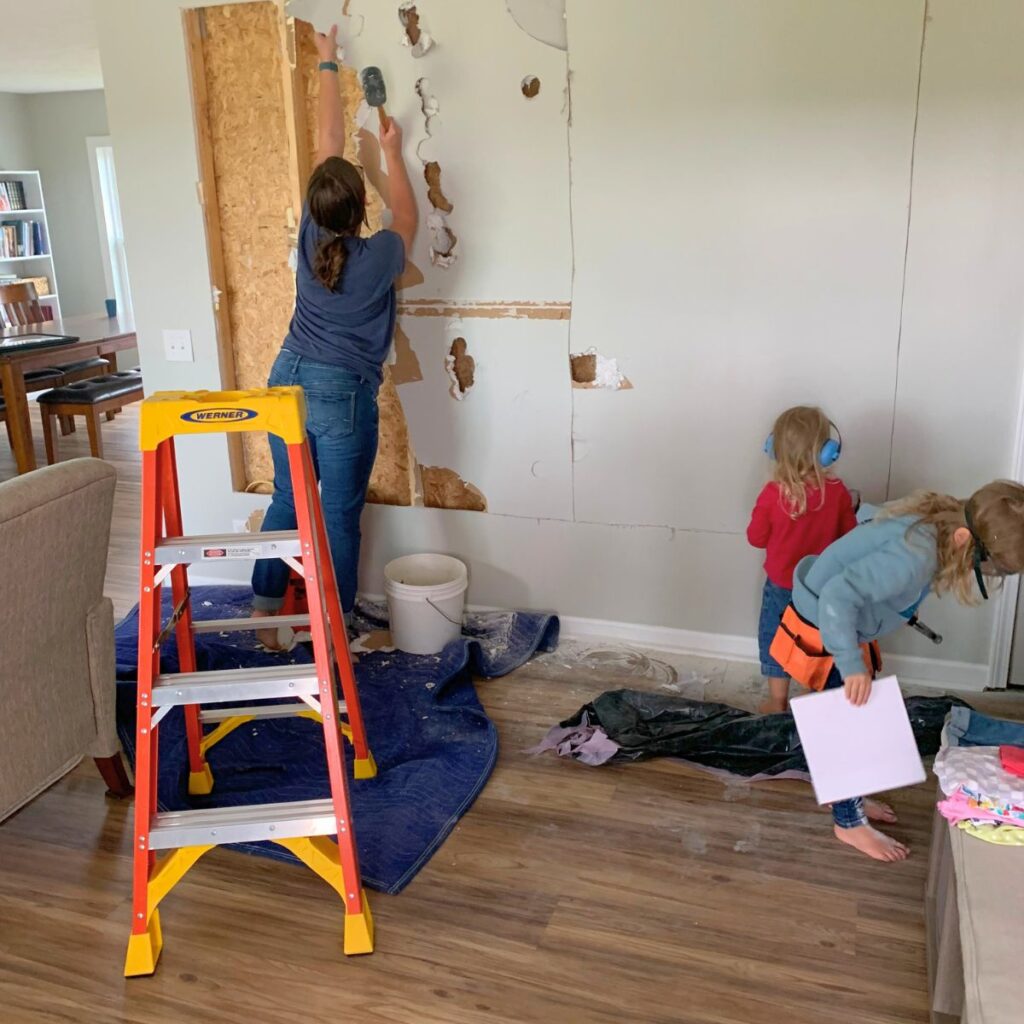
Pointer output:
846, 813
774, 601
341, 423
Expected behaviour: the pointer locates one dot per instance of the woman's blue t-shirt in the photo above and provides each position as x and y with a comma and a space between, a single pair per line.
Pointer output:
353, 324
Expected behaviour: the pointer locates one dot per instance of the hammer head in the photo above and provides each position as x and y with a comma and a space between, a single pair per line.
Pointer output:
374, 89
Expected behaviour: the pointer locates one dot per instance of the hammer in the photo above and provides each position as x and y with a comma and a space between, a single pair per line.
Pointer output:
375, 91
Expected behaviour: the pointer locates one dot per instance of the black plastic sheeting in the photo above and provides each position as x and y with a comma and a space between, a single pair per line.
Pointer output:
723, 737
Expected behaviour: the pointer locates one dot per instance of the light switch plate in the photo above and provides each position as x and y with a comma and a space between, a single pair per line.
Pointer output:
178, 346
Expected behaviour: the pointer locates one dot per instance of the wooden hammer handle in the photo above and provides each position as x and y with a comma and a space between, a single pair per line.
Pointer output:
383, 117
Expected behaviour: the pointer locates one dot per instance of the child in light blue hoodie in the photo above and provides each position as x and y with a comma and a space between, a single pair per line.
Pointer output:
870, 582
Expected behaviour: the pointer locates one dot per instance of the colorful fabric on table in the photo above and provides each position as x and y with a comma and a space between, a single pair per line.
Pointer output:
1001, 835
980, 773
1012, 760
962, 806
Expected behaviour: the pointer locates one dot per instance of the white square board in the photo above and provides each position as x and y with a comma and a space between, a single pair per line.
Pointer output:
856, 751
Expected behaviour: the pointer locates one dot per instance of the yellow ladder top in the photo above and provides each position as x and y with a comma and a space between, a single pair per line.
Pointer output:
280, 411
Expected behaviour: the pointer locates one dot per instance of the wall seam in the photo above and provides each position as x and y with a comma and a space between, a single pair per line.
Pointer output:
906, 250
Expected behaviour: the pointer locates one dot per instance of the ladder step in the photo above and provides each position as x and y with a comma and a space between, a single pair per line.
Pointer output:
253, 823
235, 684
240, 625
219, 547
260, 711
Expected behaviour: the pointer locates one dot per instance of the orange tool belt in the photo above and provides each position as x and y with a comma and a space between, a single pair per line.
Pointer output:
798, 649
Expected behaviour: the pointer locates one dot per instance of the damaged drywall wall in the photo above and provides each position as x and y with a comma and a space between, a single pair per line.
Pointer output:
442, 239
530, 86
461, 367
405, 364
444, 488
542, 19
416, 37
590, 369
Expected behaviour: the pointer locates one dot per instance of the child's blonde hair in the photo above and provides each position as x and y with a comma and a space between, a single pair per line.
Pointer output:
798, 437
996, 513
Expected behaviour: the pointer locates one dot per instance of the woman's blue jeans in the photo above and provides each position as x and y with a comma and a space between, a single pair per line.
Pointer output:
341, 423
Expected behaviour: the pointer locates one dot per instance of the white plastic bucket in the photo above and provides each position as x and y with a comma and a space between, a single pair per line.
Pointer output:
426, 596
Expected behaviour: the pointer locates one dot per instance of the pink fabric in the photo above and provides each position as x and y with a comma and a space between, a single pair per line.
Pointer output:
1012, 760
961, 807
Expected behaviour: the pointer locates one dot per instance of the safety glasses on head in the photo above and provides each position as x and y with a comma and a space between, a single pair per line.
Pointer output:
830, 450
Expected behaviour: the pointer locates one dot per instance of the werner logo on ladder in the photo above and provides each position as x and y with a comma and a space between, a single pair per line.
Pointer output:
305, 827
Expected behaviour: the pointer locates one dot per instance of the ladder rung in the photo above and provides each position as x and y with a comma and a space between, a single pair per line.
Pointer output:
219, 547
260, 711
235, 684
239, 625
248, 824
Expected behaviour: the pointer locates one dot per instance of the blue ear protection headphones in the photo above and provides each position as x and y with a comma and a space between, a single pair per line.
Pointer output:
830, 450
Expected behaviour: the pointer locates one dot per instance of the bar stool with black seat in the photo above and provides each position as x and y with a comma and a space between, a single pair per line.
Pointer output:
90, 399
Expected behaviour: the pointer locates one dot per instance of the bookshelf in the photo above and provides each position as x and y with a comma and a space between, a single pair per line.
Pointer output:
37, 264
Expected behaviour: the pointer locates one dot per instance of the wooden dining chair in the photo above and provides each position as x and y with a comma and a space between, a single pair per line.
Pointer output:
19, 305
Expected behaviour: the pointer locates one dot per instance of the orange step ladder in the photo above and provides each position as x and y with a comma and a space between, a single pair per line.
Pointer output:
304, 827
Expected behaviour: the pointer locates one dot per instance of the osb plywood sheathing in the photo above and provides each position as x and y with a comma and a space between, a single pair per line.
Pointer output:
194, 27
243, 74
444, 488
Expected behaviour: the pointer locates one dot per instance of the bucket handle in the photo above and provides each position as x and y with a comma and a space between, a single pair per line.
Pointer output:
440, 612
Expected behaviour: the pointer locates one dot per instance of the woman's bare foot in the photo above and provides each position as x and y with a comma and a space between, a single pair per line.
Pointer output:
872, 842
878, 811
267, 637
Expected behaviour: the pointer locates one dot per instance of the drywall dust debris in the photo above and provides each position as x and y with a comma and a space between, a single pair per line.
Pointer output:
438, 200
460, 366
444, 488
590, 369
530, 86
416, 36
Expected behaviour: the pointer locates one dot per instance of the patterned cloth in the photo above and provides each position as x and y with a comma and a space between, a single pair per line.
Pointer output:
978, 771
1001, 835
962, 806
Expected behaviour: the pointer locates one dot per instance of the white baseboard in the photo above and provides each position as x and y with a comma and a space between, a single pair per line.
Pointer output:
912, 671
934, 673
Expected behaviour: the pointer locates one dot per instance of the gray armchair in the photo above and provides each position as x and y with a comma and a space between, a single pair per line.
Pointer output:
56, 630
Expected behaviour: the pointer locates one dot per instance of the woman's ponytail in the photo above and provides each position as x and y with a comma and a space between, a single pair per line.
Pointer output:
329, 262
336, 199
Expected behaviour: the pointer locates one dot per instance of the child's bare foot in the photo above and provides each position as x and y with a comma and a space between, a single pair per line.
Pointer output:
877, 811
267, 637
872, 842
773, 707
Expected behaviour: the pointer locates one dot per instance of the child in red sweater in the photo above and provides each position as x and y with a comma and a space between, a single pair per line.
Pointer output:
800, 512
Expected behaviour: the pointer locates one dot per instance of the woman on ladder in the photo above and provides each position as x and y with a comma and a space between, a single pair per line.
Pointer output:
339, 337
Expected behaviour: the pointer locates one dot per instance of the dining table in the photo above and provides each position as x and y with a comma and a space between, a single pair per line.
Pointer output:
35, 346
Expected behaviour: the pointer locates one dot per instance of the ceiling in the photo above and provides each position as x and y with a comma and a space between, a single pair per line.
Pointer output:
50, 46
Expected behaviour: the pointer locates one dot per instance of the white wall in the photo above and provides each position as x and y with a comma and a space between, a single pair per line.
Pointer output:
59, 123
15, 149
741, 175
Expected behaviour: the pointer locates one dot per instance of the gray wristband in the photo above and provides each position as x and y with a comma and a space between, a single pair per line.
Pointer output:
327, 65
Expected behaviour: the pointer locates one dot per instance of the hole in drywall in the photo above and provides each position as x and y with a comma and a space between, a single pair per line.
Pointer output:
444, 488
442, 240
530, 86
590, 369
416, 35
460, 366
438, 200
584, 367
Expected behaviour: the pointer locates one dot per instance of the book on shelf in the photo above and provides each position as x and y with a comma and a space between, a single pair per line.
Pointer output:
22, 238
12, 195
